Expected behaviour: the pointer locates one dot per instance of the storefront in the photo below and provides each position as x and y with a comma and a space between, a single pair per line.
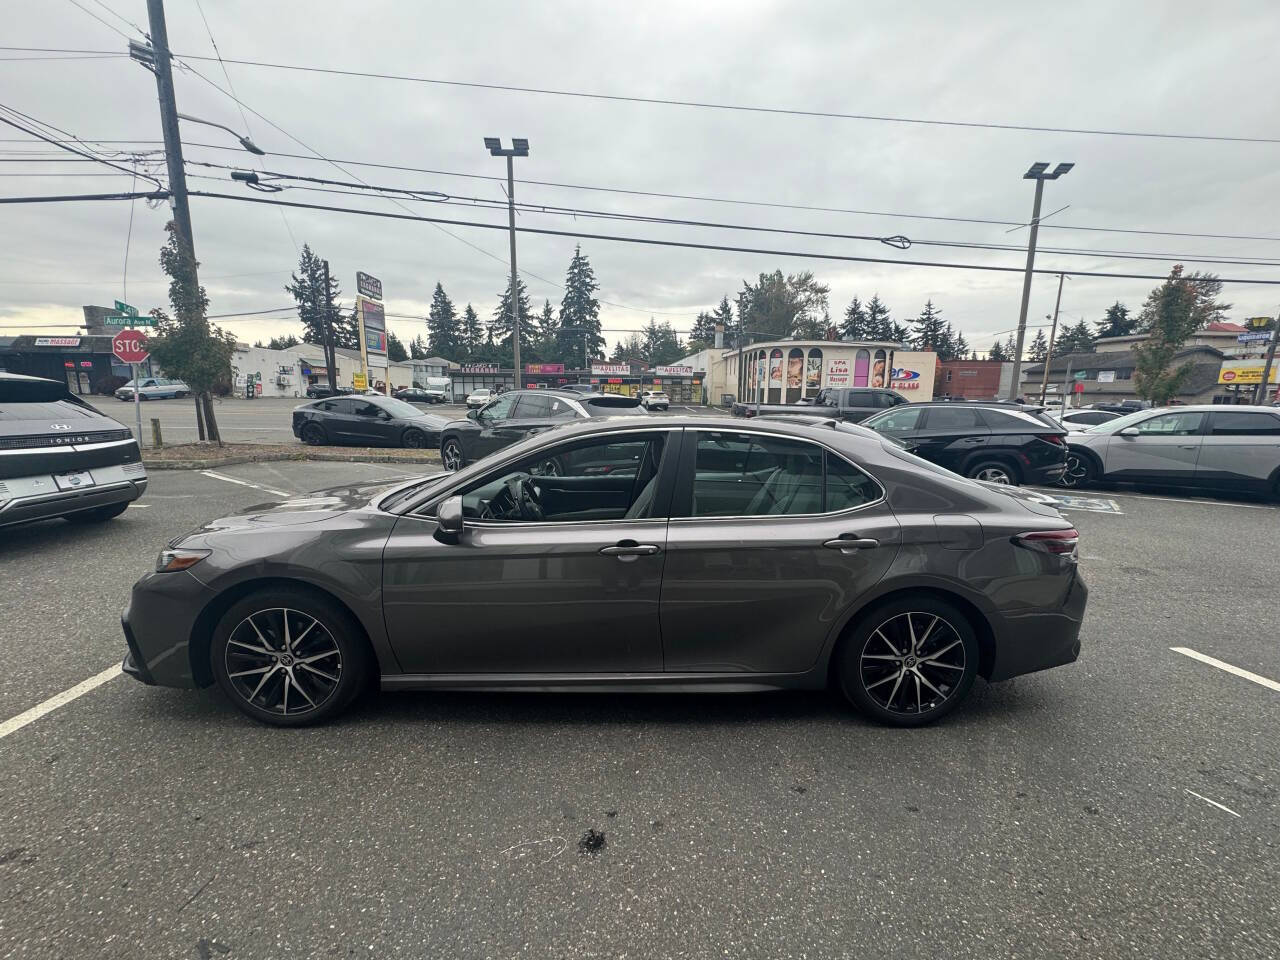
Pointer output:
477, 376
681, 383
1241, 378
786, 371
85, 363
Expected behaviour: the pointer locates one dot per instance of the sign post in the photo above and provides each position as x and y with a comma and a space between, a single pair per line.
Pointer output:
372, 323
130, 347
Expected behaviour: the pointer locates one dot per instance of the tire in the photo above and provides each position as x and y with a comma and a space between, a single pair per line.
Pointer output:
98, 514
452, 456
414, 439
874, 658
993, 471
285, 686
181, 395
313, 435
1081, 471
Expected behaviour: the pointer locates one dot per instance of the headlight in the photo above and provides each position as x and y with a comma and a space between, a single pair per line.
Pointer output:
179, 558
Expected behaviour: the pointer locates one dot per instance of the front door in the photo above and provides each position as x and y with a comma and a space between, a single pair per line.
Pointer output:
370, 424
756, 574
495, 422
1165, 449
555, 574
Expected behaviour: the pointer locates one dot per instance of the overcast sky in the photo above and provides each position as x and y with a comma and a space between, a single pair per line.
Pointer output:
1173, 67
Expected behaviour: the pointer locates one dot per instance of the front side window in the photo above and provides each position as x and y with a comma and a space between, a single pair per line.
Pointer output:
501, 408
1172, 425
363, 408
603, 478
903, 420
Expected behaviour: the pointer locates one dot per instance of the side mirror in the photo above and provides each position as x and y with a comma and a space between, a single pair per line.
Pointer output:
449, 520
473, 414
1129, 432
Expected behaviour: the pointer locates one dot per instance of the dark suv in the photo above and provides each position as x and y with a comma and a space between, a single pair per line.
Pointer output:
993, 442
517, 414
61, 457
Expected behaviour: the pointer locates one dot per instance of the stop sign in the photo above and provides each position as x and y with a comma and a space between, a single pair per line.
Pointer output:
130, 346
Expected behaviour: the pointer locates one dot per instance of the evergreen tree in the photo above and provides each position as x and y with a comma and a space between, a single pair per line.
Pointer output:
307, 288
703, 334
997, 352
854, 325
1077, 339
282, 343
1116, 322
722, 315
396, 352
1011, 347
580, 311
1039, 351
500, 327
879, 326
899, 332
660, 344
960, 347
443, 338
418, 348
471, 334
928, 332
547, 330
629, 348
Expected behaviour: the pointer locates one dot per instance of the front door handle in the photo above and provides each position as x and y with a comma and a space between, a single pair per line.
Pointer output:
846, 544
626, 550
973, 439
1186, 446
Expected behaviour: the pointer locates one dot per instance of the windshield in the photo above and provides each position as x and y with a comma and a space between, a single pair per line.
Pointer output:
398, 408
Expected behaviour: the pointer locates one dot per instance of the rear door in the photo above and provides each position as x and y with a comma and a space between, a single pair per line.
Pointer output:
951, 435
755, 576
1240, 448
1165, 449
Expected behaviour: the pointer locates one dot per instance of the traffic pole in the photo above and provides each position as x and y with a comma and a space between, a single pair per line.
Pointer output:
137, 401
1260, 396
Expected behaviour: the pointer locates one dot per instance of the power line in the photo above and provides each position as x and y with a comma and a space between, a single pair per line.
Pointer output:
64, 146
709, 105
109, 26
127, 22
709, 246
79, 197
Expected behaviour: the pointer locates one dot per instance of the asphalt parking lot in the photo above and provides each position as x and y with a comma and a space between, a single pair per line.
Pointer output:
1124, 806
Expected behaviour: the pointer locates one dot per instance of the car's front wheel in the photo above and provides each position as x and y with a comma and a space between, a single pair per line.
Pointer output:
313, 435
288, 657
909, 662
451, 455
414, 439
1080, 471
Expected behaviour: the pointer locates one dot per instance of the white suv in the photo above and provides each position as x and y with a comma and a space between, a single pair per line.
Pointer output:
654, 400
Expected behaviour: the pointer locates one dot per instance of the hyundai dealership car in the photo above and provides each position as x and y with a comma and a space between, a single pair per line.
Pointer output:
59, 457
673, 553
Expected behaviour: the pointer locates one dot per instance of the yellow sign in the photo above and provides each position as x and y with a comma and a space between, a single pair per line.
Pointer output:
1262, 322
359, 381
1248, 372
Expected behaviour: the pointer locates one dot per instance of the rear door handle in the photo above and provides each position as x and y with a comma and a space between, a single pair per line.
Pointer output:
1187, 446
629, 550
845, 544
973, 439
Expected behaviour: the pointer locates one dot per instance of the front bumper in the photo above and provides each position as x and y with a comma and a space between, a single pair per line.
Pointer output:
1040, 640
158, 626
24, 499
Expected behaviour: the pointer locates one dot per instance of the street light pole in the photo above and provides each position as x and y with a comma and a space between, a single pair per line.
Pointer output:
1053, 332
1260, 395
1039, 175
519, 148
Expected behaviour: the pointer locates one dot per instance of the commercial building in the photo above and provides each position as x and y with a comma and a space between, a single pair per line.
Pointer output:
974, 379
314, 371
1107, 377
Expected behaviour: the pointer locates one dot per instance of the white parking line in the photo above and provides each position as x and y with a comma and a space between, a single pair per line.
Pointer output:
246, 483
1214, 803
14, 724
1235, 671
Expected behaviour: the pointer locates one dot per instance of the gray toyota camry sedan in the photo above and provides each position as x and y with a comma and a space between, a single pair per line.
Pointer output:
686, 554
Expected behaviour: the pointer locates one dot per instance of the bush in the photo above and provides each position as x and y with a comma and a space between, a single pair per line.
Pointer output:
107, 386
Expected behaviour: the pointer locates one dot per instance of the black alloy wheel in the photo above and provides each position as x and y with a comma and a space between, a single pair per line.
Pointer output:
313, 435
910, 663
288, 657
451, 455
1080, 471
414, 439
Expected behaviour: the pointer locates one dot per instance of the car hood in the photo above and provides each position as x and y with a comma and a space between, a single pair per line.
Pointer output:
432, 421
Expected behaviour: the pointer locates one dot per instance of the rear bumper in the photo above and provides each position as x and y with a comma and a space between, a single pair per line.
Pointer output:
1042, 640
113, 485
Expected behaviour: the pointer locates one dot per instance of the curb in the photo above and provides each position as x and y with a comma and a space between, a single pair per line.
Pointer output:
206, 464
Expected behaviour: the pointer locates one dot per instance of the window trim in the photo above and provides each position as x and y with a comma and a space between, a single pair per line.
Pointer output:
1198, 432
1213, 415
688, 463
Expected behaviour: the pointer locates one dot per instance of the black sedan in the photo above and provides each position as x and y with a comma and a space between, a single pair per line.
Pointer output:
998, 443
517, 414
418, 395
317, 391
366, 421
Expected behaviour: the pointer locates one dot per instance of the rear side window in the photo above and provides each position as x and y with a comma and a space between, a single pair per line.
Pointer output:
951, 418
847, 486
1244, 425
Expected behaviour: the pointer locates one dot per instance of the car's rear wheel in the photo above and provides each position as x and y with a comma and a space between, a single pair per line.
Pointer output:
98, 514
1080, 471
909, 662
288, 657
994, 471
313, 434
451, 455
414, 439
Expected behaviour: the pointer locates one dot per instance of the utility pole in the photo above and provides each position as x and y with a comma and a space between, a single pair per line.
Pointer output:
1039, 175
1260, 396
330, 355
1053, 332
519, 148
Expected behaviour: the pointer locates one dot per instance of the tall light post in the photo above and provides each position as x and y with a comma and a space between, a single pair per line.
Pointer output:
1039, 172
519, 148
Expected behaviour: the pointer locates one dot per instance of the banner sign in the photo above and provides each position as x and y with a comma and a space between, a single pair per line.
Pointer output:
607, 369
837, 373
57, 341
775, 369
544, 368
368, 286
673, 371
1247, 372
813, 371
1262, 336
479, 368
373, 327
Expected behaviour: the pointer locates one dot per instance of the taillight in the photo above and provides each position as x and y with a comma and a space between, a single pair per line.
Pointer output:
1054, 438
1058, 542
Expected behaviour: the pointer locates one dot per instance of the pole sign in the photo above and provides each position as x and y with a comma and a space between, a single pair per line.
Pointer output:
1258, 321
359, 381
368, 286
1262, 336
130, 346
1079, 387
373, 327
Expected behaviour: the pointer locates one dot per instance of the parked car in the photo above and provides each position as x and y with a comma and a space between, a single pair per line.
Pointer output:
685, 553
419, 395
478, 398
318, 391
851, 404
580, 388
654, 400
999, 443
518, 414
366, 421
1077, 421
154, 388
1233, 448
1123, 406
62, 458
